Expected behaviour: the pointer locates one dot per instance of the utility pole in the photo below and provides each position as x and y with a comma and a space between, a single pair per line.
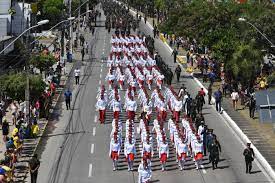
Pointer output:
78, 26
71, 32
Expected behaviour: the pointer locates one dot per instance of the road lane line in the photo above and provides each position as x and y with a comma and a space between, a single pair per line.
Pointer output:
90, 170
92, 148
101, 67
99, 82
100, 76
95, 120
94, 130
203, 170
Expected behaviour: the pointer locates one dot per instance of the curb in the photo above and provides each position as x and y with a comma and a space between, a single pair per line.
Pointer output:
260, 160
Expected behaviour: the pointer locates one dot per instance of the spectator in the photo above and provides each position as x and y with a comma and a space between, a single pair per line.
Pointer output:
76, 75
209, 94
1, 113
5, 129
35, 129
34, 165
68, 96
252, 107
218, 98
14, 109
234, 97
178, 72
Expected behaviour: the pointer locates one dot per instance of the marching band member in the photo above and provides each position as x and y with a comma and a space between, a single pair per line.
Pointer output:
198, 148
160, 80
177, 106
101, 107
130, 152
163, 153
149, 80
144, 172
147, 149
171, 128
116, 106
182, 152
114, 152
131, 107
110, 77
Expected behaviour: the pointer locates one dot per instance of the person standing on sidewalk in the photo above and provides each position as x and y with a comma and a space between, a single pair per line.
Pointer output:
34, 165
252, 107
175, 54
76, 75
234, 97
68, 96
218, 98
209, 94
249, 157
5, 129
178, 71
82, 53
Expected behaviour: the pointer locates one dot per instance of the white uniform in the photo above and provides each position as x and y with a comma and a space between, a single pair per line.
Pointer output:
144, 175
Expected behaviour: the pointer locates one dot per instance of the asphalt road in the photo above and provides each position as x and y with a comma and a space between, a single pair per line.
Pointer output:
76, 149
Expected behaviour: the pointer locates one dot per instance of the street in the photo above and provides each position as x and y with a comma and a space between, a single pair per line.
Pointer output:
77, 146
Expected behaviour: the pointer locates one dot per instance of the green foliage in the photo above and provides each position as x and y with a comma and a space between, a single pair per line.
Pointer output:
244, 62
215, 24
42, 62
52, 10
14, 86
271, 79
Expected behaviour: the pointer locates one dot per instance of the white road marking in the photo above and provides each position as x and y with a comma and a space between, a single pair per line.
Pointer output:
99, 82
101, 68
102, 61
203, 170
92, 148
94, 130
100, 75
95, 120
90, 170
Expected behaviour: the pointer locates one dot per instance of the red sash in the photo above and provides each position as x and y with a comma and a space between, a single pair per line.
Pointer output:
114, 155
163, 157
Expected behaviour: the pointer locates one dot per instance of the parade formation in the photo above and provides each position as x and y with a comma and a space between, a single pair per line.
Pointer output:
158, 117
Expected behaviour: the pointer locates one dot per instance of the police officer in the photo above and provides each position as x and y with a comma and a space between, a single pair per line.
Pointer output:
68, 96
178, 71
249, 157
214, 149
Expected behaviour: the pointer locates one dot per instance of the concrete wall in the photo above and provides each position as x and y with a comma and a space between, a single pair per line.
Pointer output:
3, 26
4, 6
19, 24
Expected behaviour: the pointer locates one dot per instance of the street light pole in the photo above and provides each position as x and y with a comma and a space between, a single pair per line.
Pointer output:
37, 25
244, 20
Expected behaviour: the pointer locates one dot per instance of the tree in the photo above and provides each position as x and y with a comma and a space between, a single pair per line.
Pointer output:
53, 11
42, 62
14, 86
245, 60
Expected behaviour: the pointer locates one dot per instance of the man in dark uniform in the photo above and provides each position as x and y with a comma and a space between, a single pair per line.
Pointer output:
209, 140
200, 101
252, 107
175, 54
249, 157
214, 150
34, 165
209, 94
178, 72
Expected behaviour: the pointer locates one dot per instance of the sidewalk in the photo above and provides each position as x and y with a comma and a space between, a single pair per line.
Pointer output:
261, 135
